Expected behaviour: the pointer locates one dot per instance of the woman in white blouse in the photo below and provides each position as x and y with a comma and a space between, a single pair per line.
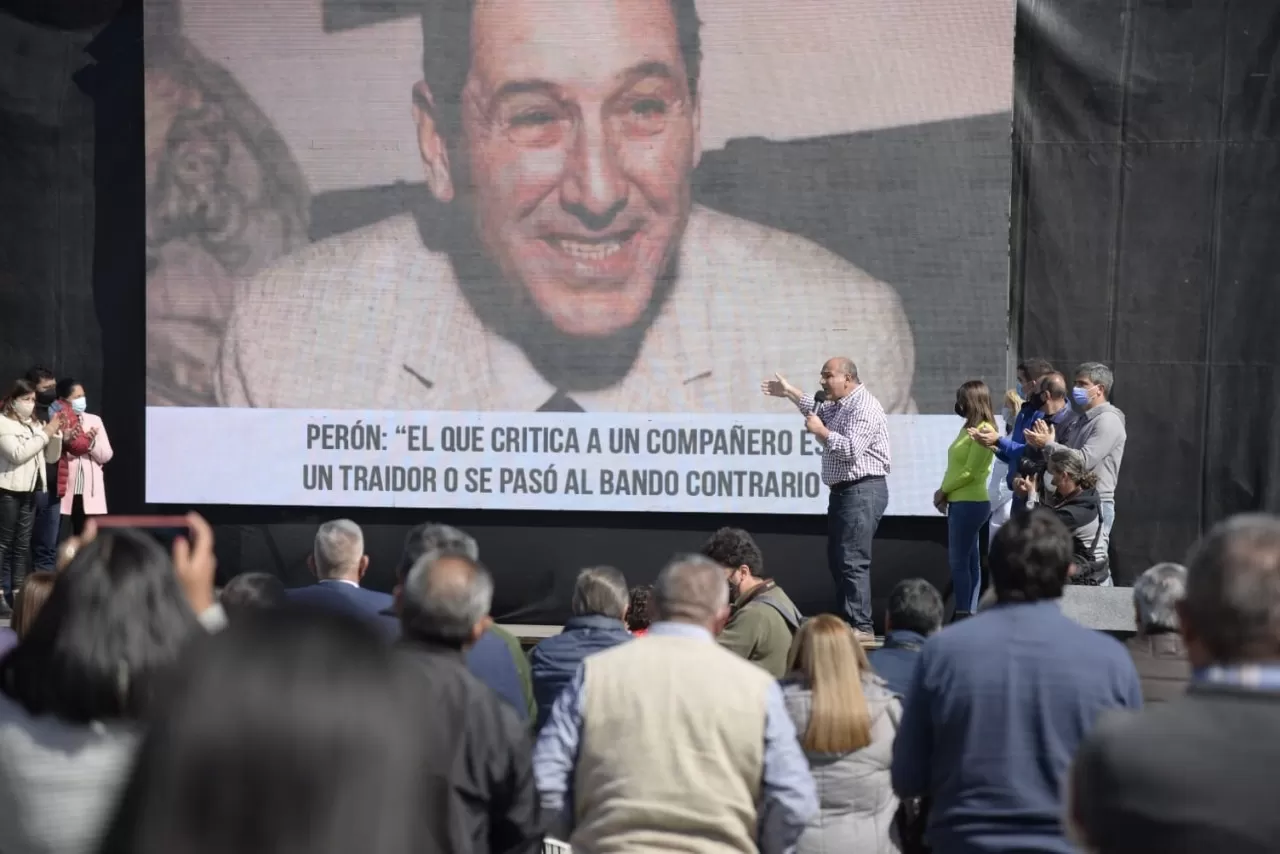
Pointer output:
26, 445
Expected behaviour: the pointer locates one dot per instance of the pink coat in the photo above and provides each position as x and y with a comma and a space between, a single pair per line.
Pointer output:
95, 492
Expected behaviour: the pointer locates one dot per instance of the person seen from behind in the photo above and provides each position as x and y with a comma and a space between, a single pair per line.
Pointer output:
75, 692
639, 611
962, 497
847, 719
1000, 703
496, 658
1198, 773
1157, 648
252, 593
762, 618
322, 747
914, 613
671, 742
483, 741
599, 607
26, 445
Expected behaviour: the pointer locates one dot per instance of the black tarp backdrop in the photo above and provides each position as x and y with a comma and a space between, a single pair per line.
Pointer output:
1144, 218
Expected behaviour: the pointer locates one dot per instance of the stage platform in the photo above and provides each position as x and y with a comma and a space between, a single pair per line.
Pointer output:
1107, 609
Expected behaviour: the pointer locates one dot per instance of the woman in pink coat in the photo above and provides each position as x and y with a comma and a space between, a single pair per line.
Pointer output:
85, 450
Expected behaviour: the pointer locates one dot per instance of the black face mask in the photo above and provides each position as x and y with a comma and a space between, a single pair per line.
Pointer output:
1037, 400
46, 397
960, 410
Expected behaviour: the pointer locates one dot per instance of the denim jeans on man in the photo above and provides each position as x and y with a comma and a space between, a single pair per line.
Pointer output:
964, 521
17, 512
853, 514
44, 532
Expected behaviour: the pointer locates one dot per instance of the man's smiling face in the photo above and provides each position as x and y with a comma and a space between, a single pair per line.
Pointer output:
581, 136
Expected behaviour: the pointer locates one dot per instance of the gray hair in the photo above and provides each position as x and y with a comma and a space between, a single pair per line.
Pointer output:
601, 590
691, 589
1233, 590
1098, 374
338, 548
445, 595
434, 537
1156, 595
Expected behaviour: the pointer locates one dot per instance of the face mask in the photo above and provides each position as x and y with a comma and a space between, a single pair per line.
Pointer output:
1080, 396
960, 410
1007, 416
1036, 399
24, 408
80, 404
46, 397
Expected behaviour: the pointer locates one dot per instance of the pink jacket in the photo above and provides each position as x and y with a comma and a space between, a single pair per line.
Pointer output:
95, 492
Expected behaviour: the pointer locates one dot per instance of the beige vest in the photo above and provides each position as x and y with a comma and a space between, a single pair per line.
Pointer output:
672, 749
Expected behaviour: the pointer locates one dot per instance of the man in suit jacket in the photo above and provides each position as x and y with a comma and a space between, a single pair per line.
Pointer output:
565, 266
339, 563
1198, 773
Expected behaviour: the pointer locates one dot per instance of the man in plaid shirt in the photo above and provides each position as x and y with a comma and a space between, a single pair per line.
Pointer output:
850, 424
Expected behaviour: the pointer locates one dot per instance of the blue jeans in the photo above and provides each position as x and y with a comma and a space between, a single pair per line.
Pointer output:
964, 520
853, 514
44, 532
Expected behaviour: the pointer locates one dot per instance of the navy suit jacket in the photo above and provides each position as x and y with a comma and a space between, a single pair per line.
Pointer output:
895, 662
343, 598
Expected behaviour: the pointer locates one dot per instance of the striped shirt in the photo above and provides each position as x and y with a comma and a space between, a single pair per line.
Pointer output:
858, 445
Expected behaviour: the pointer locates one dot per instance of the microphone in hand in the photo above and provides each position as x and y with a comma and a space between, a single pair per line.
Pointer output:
819, 397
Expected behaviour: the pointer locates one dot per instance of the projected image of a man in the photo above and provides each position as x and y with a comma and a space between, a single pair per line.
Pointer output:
580, 147
564, 264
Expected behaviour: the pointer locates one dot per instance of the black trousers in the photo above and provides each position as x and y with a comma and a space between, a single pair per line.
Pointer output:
17, 513
73, 523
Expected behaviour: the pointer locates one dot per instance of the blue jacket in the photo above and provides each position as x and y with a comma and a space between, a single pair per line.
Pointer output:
344, 598
997, 708
895, 662
1009, 448
490, 662
556, 659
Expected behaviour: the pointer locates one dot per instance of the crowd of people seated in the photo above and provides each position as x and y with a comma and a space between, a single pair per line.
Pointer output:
141, 710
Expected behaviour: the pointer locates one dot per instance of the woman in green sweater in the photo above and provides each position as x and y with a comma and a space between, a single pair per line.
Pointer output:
963, 495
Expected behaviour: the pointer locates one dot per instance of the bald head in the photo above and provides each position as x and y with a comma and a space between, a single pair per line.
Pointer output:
692, 589
446, 599
839, 377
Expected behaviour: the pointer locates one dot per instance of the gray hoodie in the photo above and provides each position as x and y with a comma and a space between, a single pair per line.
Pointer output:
1099, 437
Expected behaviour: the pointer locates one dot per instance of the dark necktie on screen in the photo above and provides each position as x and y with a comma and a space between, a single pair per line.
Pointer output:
560, 402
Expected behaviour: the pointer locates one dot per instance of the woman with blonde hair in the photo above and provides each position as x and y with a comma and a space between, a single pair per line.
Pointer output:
846, 719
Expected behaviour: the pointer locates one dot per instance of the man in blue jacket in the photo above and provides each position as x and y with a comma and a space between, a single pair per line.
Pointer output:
339, 563
914, 613
1009, 448
1000, 703
600, 599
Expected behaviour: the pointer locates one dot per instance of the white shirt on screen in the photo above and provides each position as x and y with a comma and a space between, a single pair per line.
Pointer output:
372, 319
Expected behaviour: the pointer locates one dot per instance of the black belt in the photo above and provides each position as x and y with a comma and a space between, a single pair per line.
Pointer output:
850, 484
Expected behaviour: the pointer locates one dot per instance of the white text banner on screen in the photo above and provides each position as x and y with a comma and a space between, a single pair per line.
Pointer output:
692, 463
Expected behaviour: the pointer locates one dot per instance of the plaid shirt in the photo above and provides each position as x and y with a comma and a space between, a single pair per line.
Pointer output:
858, 446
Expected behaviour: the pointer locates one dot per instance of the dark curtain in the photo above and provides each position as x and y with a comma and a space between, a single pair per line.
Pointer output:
1145, 217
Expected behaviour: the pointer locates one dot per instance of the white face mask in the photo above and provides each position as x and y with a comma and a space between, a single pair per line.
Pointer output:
80, 404
24, 408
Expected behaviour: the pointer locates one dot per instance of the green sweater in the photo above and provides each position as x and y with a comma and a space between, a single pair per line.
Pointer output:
757, 631
968, 468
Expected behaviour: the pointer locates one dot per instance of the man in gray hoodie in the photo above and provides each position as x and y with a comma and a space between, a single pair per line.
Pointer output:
1098, 437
